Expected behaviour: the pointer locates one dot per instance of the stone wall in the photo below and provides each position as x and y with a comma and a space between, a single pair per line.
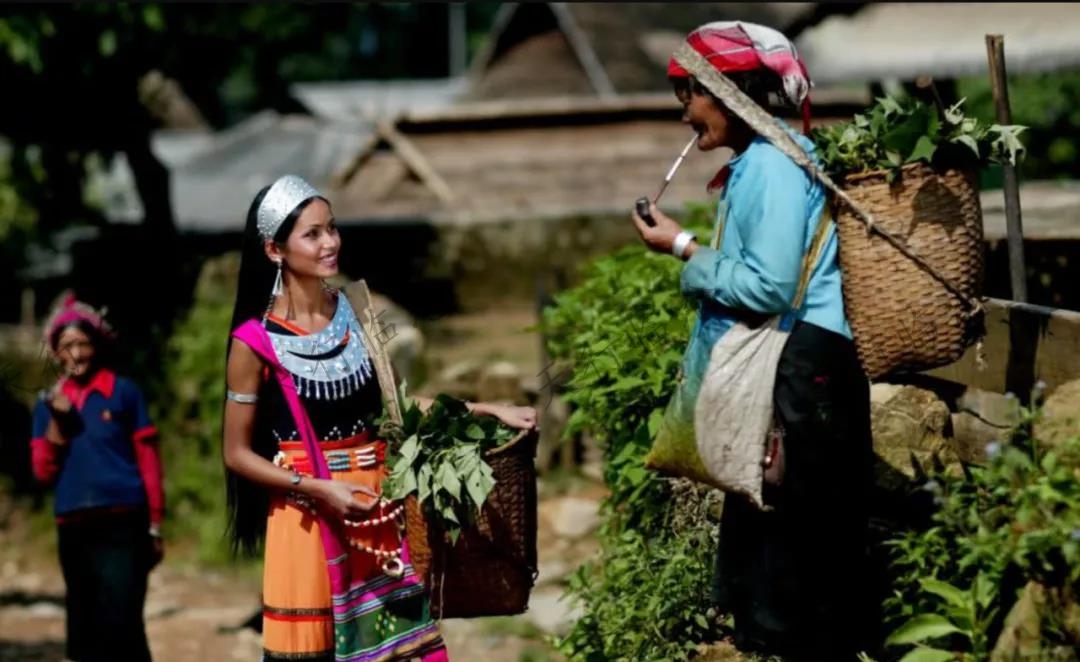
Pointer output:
488, 262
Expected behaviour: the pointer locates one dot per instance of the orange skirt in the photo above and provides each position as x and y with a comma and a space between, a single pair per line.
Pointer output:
298, 621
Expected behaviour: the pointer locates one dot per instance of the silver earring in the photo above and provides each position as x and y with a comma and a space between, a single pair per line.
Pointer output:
276, 292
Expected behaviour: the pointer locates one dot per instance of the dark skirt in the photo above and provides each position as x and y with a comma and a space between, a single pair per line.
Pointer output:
106, 560
796, 579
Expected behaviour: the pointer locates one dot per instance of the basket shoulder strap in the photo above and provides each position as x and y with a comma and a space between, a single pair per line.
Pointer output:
813, 255
720, 223
359, 297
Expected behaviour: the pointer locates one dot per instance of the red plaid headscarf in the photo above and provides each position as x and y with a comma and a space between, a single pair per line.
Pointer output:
731, 46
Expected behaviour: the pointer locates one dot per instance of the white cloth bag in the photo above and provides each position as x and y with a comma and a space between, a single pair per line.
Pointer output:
733, 413
734, 410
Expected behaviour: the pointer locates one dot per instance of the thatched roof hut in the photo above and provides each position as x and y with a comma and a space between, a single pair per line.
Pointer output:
540, 49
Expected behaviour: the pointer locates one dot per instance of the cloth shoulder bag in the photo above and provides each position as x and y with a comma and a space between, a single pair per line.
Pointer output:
737, 440
729, 450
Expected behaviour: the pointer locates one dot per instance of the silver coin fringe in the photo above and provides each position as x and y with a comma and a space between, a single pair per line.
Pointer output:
333, 390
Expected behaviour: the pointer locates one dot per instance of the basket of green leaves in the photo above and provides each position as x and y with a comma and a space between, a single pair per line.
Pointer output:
469, 486
912, 278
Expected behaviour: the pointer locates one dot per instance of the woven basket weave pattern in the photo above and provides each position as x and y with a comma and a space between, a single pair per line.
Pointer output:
492, 568
904, 319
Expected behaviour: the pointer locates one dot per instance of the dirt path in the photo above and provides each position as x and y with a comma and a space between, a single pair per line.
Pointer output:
195, 614
208, 616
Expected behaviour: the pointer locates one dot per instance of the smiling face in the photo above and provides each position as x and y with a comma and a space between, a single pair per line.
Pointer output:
75, 352
715, 125
311, 250
710, 121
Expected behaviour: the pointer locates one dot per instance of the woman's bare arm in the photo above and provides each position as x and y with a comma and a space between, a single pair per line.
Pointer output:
517, 417
479, 408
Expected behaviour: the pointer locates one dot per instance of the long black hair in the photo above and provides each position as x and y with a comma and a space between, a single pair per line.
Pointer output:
247, 502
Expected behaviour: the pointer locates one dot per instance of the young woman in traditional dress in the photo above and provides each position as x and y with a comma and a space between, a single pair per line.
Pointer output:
301, 374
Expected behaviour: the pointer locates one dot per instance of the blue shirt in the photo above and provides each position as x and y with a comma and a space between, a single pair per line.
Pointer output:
769, 213
98, 466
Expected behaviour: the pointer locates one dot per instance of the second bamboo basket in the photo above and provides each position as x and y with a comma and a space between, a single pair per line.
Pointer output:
493, 567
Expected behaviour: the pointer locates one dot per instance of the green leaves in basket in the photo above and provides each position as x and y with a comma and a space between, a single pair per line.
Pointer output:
892, 134
438, 456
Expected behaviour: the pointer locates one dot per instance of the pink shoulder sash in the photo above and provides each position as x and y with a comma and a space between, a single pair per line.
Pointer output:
252, 334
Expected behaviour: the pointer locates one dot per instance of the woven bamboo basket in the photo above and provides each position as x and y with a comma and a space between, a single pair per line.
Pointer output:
493, 567
902, 317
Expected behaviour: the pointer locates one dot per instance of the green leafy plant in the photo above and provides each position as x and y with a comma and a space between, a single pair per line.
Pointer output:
892, 134
997, 527
967, 614
622, 331
438, 456
645, 599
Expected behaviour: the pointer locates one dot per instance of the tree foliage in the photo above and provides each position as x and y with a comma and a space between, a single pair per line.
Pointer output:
1047, 103
78, 68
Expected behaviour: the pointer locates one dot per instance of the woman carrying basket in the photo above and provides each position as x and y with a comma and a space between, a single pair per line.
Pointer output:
791, 576
337, 582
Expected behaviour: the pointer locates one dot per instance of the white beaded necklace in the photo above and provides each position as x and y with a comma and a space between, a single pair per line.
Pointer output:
331, 363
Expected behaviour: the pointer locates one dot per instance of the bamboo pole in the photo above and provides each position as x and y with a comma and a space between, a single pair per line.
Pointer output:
995, 53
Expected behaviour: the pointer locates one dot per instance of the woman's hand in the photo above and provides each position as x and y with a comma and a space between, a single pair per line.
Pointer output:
64, 422
157, 550
57, 400
338, 496
523, 418
661, 236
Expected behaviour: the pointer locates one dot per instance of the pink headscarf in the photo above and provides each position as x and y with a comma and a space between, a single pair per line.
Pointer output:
72, 310
731, 46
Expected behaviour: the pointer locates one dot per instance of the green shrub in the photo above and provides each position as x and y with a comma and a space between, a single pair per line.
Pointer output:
623, 330
647, 599
1014, 520
189, 416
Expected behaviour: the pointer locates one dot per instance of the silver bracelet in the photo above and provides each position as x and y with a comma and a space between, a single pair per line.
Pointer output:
243, 398
682, 240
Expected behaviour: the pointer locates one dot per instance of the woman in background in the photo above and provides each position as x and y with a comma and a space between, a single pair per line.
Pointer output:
94, 441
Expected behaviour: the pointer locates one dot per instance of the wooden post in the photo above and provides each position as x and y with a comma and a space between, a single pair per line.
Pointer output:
459, 38
27, 318
995, 53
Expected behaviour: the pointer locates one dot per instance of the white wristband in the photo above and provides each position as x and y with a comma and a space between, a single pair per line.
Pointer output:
682, 240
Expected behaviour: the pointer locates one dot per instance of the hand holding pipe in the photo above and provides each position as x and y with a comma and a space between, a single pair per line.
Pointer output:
642, 203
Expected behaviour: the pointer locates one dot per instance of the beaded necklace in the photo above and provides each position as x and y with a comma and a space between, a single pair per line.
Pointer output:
329, 364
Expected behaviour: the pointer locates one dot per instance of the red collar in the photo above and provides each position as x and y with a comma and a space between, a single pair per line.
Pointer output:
719, 179
103, 382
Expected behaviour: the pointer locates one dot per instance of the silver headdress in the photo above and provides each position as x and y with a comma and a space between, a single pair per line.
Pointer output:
284, 195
